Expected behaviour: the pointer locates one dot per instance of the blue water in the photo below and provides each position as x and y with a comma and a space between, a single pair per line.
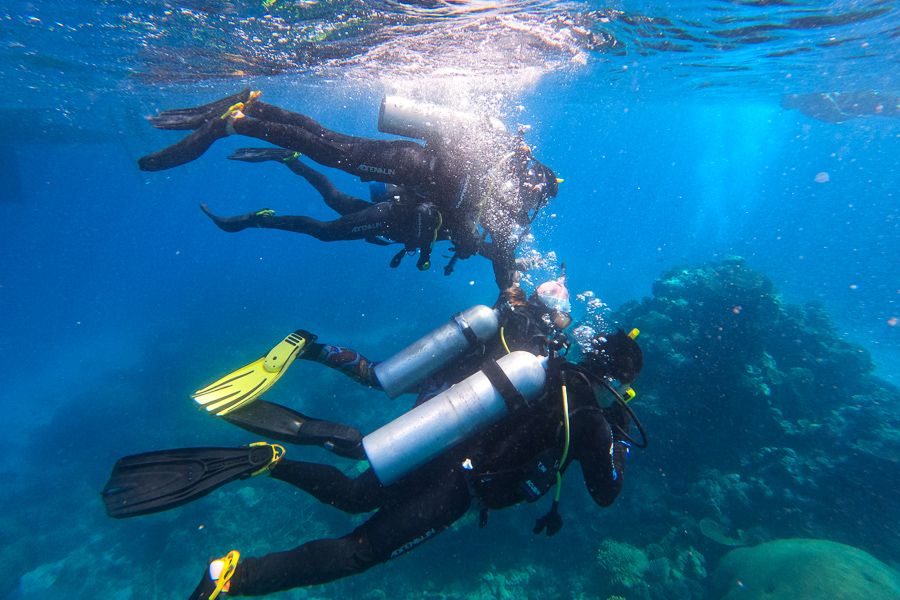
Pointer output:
119, 297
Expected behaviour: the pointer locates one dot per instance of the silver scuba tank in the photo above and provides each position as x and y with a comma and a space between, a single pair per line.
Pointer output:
421, 120
423, 358
416, 437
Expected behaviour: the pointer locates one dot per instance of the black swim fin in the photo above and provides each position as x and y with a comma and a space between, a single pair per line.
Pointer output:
191, 118
287, 425
155, 481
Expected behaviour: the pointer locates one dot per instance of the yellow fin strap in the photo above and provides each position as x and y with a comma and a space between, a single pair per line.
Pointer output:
231, 109
223, 583
278, 453
634, 333
283, 353
293, 156
241, 105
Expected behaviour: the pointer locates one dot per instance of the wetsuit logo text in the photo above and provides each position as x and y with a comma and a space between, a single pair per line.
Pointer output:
379, 170
366, 227
413, 543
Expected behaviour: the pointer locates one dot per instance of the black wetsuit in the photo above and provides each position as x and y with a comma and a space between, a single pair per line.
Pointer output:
468, 191
435, 496
431, 499
405, 218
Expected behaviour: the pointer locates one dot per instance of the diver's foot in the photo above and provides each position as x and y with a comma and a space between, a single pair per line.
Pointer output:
216, 581
192, 118
192, 146
255, 155
240, 222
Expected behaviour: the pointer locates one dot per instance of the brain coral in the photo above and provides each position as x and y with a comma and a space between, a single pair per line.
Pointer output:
804, 568
621, 564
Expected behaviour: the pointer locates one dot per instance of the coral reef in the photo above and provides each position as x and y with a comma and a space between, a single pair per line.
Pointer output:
762, 419
624, 570
804, 568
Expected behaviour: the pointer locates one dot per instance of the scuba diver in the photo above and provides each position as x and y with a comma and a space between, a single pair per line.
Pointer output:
430, 366
483, 182
502, 436
393, 215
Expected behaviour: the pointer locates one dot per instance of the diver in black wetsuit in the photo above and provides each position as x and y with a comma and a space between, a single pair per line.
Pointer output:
483, 194
517, 460
395, 215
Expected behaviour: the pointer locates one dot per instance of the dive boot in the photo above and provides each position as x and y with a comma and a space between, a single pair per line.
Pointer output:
216, 581
240, 222
191, 118
248, 383
286, 425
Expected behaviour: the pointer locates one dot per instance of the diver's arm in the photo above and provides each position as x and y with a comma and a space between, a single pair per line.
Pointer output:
345, 360
602, 458
503, 260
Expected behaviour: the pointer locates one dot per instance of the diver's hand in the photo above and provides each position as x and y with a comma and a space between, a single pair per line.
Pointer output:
552, 522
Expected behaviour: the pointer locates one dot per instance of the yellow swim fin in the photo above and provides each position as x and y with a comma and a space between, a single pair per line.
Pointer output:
248, 383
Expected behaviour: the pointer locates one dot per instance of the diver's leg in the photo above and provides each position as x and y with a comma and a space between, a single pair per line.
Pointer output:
338, 201
329, 485
372, 221
391, 161
425, 507
275, 114
286, 425
335, 199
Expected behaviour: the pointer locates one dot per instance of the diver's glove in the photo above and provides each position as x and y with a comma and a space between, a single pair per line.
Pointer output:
552, 522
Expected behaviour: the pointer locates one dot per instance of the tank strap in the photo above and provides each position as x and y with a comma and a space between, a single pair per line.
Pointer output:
511, 396
466, 329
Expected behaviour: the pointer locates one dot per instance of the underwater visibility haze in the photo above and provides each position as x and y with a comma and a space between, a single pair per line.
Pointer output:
729, 187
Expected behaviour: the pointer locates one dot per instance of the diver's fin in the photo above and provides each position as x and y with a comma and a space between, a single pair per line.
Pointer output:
255, 155
287, 425
155, 481
248, 383
238, 222
194, 117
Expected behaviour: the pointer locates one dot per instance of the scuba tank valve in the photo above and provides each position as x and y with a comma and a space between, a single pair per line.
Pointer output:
476, 402
425, 357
